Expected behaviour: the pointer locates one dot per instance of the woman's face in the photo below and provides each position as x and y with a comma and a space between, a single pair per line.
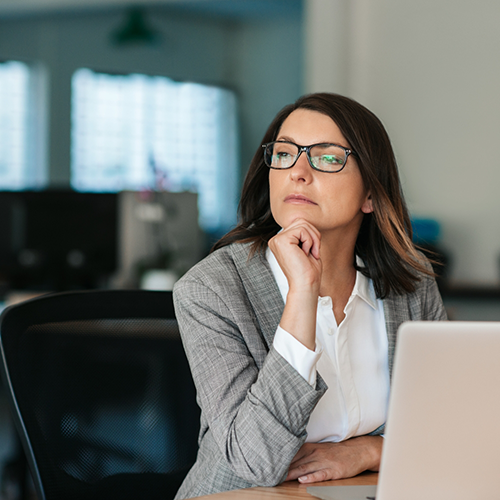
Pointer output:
332, 202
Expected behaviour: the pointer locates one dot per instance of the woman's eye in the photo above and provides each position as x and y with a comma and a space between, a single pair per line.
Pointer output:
330, 159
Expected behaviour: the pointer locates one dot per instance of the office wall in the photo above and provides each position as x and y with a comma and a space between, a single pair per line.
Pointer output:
430, 70
268, 70
234, 52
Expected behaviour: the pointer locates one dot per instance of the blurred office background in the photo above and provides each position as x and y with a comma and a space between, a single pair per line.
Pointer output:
132, 123
174, 95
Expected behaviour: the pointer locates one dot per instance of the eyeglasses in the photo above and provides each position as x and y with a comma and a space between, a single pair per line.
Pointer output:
324, 157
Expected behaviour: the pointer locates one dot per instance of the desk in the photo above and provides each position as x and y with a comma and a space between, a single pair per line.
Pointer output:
289, 490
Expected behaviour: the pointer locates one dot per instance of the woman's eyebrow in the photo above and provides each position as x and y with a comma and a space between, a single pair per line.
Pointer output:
285, 138
289, 139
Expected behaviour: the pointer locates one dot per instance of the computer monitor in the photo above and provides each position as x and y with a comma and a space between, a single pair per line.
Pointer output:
57, 239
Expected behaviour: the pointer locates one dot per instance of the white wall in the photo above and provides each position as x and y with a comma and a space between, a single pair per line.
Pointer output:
431, 71
267, 68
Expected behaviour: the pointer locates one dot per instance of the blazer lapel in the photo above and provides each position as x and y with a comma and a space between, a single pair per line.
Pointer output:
261, 288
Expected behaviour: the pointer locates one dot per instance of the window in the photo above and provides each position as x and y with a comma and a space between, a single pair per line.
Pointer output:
137, 132
22, 144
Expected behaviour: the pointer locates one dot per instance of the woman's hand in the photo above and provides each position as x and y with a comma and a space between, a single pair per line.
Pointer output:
316, 462
297, 250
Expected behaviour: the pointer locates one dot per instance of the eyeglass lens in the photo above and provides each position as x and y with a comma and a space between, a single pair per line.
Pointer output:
325, 157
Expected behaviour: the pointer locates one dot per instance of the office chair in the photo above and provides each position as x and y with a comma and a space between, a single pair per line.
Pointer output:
102, 394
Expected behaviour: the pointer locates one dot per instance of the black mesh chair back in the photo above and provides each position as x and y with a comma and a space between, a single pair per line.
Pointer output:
101, 393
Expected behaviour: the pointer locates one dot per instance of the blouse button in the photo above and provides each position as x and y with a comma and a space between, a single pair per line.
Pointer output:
330, 331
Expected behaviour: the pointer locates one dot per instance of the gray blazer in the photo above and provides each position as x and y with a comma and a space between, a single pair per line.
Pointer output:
255, 406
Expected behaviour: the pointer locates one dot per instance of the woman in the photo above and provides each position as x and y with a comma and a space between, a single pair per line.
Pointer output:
290, 324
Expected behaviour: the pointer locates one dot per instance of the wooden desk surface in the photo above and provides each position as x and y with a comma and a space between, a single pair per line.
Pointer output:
288, 490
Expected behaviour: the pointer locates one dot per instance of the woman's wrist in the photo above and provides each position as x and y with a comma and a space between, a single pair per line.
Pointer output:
307, 296
373, 451
299, 317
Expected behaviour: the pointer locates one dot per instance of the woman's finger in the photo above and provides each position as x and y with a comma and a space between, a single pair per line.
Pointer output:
307, 230
306, 242
308, 237
303, 469
299, 236
316, 477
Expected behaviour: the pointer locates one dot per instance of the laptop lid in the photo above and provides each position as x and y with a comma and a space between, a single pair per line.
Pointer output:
442, 436
443, 433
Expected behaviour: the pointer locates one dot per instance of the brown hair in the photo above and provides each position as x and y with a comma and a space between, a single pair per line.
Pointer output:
385, 238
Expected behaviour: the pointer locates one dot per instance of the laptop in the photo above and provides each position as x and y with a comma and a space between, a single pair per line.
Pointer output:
442, 438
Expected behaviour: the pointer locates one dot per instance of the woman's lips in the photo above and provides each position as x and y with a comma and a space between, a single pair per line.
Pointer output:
299, 200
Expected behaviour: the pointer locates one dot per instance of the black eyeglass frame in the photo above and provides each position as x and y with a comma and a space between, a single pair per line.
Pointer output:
307, 150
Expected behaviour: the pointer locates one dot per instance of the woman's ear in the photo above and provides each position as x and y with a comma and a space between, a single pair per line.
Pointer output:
367, 207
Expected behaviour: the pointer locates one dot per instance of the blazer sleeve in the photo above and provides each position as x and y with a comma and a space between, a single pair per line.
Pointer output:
432, 308
253, 402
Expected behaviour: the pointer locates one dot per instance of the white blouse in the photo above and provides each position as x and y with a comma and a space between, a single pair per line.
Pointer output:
352, 358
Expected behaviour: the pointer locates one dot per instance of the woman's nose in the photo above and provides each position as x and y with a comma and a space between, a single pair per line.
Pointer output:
301, 171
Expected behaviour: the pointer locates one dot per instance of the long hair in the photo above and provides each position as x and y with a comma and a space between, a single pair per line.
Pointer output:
384, 241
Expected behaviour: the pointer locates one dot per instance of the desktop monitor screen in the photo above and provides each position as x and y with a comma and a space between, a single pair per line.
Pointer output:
57, 240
